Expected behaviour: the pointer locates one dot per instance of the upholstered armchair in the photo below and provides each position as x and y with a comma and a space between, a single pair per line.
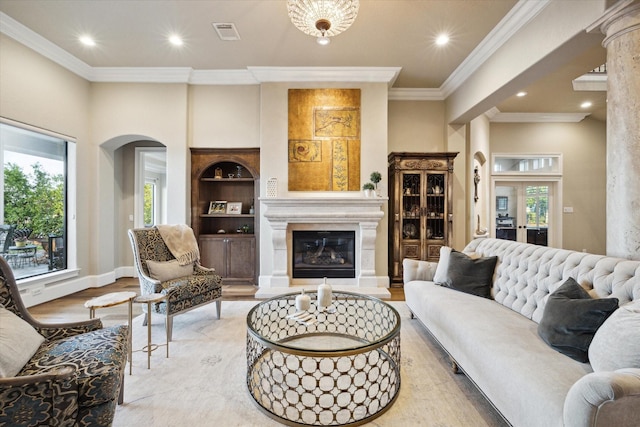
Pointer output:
73, 374
185, 287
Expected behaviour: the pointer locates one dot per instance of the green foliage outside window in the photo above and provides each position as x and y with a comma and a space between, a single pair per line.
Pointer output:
34, 201
148, 204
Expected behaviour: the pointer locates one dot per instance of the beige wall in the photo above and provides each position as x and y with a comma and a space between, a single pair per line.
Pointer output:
416, 126
35, 91
224, 116
583, 146
105, 116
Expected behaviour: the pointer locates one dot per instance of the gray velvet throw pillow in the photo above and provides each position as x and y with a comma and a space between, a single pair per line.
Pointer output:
571, 319
473, 276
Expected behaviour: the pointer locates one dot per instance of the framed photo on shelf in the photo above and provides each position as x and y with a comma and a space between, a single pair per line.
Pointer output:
234, 208
217, 207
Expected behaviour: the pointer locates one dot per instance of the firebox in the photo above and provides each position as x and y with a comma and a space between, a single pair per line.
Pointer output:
318, 254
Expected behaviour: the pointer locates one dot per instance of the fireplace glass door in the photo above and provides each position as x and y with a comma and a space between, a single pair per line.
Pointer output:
318, 254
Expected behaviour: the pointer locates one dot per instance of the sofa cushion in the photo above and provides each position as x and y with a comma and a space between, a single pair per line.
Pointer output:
616, 344
571, 318
18, 343
168, 270
466, 274
97, 356
440, 276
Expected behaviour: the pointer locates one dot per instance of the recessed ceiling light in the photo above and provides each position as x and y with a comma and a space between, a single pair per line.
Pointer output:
87, 41
175, 40
442, 39
521, 94
586, 104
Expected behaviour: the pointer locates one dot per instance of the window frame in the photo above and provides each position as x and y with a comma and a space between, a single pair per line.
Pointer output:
36, 283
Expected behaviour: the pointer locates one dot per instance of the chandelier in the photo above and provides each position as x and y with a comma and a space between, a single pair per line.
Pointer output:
323, 18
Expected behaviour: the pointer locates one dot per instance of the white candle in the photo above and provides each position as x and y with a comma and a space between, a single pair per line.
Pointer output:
303, 302
324, 294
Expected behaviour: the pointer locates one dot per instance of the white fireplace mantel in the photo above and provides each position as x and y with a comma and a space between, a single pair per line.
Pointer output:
304, 213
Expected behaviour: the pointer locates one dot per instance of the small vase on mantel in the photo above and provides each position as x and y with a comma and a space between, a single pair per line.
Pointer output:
324, 295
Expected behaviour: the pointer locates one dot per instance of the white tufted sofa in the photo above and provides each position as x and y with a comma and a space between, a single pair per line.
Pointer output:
496, 343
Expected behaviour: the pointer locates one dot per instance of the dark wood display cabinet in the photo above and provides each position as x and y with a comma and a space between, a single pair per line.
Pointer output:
420, 208
224, 211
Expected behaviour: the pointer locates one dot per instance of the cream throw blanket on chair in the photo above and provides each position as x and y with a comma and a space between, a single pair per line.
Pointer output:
181, 242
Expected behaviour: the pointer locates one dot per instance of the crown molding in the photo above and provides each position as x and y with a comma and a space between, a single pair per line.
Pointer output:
326, 74
415, 94
44, 47
140, 74
495, 116
222, 77
520, 15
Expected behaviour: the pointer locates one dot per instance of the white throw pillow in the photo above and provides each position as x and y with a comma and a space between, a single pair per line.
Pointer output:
168, 270
440, 275
615, 344
19, 341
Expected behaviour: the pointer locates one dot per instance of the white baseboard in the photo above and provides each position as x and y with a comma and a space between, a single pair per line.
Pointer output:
43, 291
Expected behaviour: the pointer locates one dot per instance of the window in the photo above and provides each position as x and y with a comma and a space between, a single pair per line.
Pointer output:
34, 208
550, 164
149, 203
537, 206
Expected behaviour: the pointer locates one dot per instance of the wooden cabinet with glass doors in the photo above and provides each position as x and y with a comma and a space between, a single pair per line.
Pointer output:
420, 208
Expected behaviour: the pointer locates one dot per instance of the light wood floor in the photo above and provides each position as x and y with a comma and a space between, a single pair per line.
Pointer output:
71, 308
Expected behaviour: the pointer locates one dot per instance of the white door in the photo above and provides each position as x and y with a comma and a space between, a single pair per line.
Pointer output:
524, 211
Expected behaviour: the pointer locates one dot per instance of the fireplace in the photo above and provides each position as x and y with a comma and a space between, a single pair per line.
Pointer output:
358, 215
318, 254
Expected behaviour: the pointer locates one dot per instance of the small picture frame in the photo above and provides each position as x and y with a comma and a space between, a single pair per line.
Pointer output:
217, 207
234, 208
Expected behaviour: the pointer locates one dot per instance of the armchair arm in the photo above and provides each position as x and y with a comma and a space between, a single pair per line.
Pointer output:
604, 399
44, 399
56, 331
198, 269
413, 269
148, 285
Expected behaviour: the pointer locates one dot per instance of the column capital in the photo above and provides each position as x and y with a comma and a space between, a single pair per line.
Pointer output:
622, 18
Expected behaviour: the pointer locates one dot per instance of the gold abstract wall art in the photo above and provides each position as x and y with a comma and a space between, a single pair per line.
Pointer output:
324, 140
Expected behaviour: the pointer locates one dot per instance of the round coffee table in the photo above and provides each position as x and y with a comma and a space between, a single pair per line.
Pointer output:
339, 366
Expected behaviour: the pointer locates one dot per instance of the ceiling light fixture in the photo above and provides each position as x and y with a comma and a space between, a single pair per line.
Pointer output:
323, 18
586, 104
521, 94
87, 41
175, 40
442, 39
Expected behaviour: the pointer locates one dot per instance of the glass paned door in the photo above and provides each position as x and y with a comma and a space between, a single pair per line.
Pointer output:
411, 206
522, 212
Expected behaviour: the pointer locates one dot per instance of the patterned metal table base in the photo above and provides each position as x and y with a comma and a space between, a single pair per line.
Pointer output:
341, 368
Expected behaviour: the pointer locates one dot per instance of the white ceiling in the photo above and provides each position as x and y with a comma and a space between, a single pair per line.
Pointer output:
386, 33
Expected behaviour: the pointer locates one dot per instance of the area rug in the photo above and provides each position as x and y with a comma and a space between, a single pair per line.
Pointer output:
202, 383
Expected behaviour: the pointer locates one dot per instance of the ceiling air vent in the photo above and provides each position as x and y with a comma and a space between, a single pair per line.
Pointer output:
226, 31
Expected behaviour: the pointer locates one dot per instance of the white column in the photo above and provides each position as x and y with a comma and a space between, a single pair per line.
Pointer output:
622, 30
367, 275
279, 277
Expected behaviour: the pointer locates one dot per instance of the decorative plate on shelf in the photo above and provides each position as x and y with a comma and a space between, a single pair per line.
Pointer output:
409, 230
